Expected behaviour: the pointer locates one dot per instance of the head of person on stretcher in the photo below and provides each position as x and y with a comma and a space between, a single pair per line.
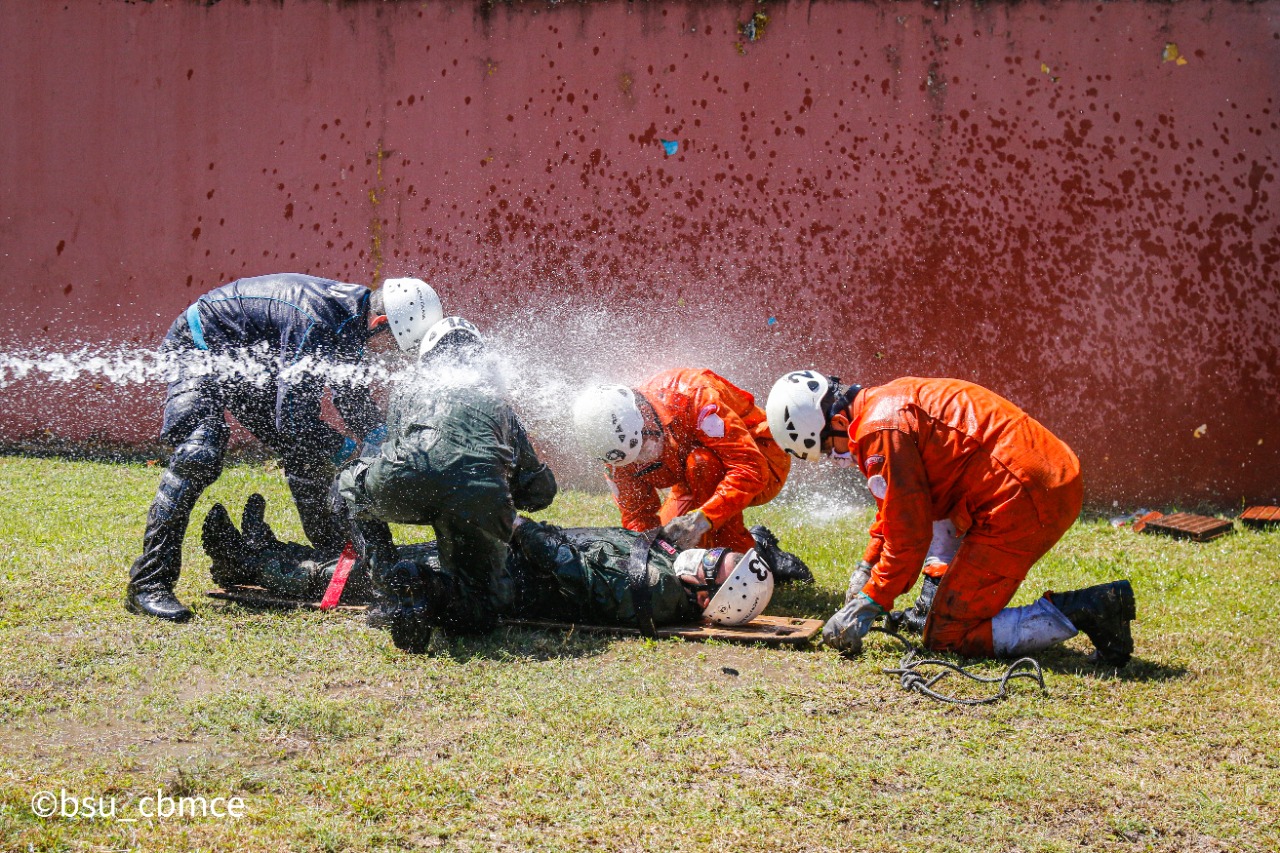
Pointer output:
731, 588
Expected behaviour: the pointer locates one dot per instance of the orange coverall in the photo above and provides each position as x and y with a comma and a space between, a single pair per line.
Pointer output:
717, 456
937, 449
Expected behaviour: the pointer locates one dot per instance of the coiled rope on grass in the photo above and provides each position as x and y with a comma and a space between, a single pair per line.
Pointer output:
909, 671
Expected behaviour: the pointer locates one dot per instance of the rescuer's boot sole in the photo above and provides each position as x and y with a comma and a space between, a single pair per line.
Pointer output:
787, 567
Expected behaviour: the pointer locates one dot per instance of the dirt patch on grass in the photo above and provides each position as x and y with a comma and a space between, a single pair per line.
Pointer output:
80, 740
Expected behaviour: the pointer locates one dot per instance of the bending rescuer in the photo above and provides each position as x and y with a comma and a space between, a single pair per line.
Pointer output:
706, 440
265, 349
456, 457
968, 483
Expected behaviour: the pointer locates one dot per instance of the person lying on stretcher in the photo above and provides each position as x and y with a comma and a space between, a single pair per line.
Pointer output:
585, 575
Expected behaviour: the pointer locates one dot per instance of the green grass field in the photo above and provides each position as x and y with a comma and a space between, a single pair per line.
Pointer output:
542, 741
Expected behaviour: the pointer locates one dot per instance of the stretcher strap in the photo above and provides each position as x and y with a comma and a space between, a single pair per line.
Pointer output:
638, 581
339, 580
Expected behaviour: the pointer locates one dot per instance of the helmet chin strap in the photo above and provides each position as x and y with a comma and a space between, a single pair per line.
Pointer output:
652, 428
841, 398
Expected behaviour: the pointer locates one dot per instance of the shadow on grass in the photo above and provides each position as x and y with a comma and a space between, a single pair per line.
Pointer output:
1059, 661
1062, 661
805, 601
516, 643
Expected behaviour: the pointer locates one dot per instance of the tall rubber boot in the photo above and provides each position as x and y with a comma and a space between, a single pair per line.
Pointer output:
226, 548
1103, 613
410, 616
154, 574
913, 618
327, 530
195, 463
377, 552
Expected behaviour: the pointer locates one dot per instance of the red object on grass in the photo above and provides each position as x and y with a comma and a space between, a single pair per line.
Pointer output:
1184, 525
339, 580
1261, 517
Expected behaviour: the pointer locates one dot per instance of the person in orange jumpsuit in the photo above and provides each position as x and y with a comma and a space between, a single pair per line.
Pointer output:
968, 487
695, 433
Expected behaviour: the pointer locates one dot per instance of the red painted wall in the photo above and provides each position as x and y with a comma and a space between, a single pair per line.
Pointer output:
1072, 203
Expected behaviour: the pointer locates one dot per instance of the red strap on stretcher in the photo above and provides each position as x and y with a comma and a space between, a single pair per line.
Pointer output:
339, 579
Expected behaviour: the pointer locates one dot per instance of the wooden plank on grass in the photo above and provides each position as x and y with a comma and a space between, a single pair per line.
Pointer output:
256, 596
1185, 525
770, 630
1261, 517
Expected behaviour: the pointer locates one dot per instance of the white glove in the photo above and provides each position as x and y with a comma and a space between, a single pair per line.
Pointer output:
857, 580
844, 631
687, 530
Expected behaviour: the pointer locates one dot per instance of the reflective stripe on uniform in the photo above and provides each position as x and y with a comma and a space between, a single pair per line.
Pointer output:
197, 330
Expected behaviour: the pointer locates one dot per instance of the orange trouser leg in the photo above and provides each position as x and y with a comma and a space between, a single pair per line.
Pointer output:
990, 565
968, 597
703, 473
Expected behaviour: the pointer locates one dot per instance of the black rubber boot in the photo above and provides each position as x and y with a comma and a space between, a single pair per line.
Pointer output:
157, 601
226, 548
359, 587
326, 529
253, 524
196, 462
912, 619
787, 567
380, 609
409, 620
374, 545
1103, 613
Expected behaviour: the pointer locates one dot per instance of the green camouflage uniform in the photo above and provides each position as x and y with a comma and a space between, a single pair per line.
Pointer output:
457, 458
577, 575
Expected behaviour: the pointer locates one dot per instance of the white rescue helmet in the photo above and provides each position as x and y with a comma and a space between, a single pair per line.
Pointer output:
412, 308
608, 424
794, 411
447, 326
745, 594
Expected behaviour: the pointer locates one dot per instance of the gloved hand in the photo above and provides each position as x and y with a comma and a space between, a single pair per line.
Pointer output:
857, 580
845, 630
345, 453
686, 531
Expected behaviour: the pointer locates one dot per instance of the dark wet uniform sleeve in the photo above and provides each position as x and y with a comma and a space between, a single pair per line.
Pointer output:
354, 402
533, 485
300, 387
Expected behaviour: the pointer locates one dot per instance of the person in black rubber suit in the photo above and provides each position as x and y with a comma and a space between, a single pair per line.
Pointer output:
265, 349
456, 457
584, 575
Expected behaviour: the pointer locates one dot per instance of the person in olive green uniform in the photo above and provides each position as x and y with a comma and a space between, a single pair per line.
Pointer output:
580, 575
456, 457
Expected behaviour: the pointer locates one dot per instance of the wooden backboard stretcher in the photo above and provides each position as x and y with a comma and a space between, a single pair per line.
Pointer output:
770, 630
